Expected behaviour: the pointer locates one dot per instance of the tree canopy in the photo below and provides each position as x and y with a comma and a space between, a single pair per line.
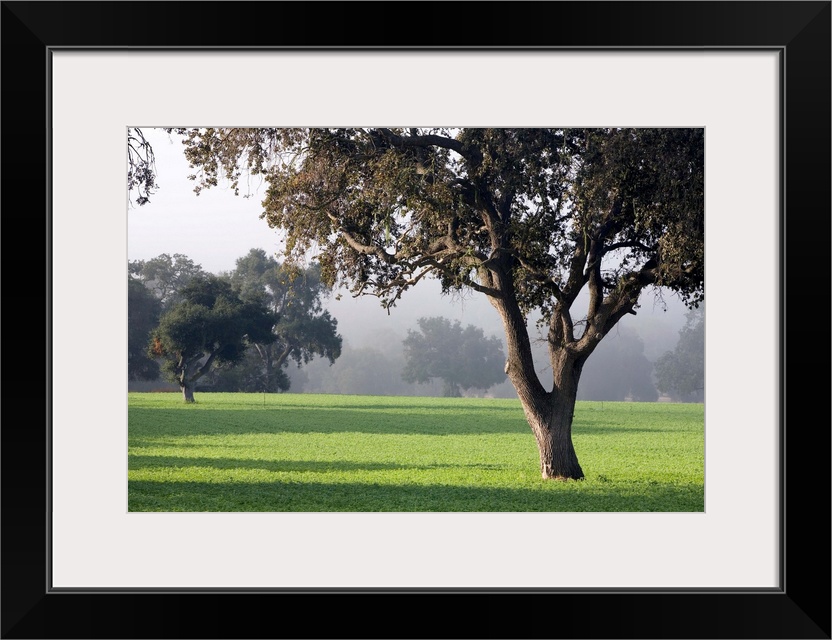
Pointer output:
165, 275
383, 208
210, 326
528, 217
295, 294
303, 329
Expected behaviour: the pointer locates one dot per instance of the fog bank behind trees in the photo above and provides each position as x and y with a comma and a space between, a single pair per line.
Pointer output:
373, 356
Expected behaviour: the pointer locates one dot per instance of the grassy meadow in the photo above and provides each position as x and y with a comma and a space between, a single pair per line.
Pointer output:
303, 452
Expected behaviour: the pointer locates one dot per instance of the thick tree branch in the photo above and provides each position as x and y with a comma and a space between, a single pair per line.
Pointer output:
576, 278
360, 246
619, 302
593, 276
561, 328
432, 140
628, 245
287, 351
205, 368
491, 292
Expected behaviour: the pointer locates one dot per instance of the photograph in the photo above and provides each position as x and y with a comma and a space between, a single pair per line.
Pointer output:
416, 319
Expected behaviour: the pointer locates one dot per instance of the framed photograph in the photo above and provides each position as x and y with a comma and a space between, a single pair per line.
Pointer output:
754, 564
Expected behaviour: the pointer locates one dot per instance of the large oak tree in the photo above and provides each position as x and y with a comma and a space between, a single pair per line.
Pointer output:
527, 217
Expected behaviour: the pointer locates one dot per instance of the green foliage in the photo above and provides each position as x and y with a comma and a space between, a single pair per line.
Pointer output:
211, 325
165, 275
681, 372
463, 358
385, 207
315, 453
303, 329
642, 192
143, 310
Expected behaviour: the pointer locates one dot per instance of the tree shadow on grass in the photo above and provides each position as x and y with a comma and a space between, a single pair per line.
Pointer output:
598, 430
171, 422
408, 404
160, 423
147, 424
352, 497
277, 466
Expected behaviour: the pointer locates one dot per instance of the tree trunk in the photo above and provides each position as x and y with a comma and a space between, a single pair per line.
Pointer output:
549, 413
187, 392
551, 421
451, 389
189, 371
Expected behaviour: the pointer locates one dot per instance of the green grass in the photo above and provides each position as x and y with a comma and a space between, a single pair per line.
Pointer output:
304, 452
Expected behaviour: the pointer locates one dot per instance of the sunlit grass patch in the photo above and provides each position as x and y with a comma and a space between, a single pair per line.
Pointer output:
305, 452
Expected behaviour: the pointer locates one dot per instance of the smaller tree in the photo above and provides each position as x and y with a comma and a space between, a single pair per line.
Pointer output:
681, 372
303, 329
211, 326
618, 370
461, 358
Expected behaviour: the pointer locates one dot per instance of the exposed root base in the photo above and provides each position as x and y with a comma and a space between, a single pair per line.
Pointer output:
561, 478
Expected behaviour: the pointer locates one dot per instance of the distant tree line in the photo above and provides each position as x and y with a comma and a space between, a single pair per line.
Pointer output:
681, 372
236, 331
280, 322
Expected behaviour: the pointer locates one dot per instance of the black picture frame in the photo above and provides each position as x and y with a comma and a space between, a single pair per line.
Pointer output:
800, 608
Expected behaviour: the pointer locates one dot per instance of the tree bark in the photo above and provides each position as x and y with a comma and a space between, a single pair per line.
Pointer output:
189, 371
549, 413
551, 422
187, 392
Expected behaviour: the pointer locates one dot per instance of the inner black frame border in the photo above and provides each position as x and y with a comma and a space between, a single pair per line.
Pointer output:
800, 608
